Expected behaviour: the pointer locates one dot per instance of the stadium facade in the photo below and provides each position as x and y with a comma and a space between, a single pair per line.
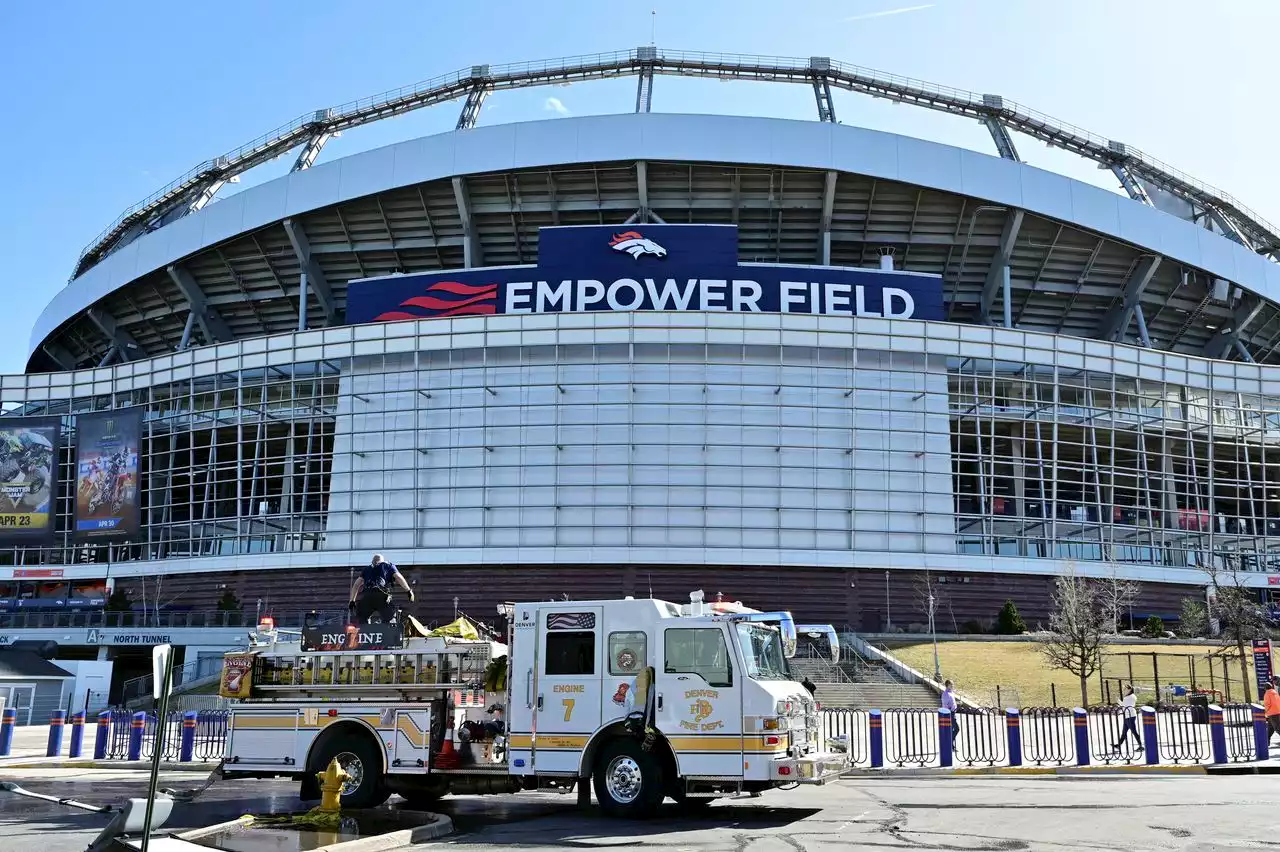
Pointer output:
1095, 387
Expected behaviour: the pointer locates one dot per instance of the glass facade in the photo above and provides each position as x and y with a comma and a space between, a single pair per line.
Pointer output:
802, 440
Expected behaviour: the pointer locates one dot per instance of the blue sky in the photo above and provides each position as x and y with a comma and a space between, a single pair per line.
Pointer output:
106, 102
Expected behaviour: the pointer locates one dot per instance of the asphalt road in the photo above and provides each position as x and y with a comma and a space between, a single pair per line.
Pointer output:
1184, 812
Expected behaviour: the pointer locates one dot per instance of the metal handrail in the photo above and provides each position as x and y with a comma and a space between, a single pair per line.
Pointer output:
597, 66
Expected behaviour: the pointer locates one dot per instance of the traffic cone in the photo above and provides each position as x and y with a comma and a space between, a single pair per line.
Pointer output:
447, 758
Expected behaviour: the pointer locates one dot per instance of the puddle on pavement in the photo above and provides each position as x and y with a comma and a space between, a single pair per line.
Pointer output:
284, 838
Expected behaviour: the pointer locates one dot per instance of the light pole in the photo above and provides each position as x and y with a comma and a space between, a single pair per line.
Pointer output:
888, 613
937, 667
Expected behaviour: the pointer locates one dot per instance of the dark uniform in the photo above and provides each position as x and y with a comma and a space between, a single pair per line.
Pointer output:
375, 597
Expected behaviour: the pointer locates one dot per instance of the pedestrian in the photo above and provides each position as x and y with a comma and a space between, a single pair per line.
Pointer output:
949, 703
1129, 708
1271, 706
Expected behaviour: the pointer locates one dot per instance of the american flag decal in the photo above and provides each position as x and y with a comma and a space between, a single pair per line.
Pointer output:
571, 621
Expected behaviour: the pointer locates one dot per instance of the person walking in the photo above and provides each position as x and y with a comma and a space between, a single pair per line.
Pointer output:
949, 703
1271, 707
1129, 709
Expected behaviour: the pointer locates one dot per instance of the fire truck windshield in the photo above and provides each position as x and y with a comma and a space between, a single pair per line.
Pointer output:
762, 650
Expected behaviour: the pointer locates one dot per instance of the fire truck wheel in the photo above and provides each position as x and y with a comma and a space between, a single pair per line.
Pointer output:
628, 780
419, 796
358, 755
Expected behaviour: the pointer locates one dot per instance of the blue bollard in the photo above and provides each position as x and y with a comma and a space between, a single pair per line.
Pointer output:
1080, 722
1261, 733
1217, 734
7, 721
57, 722
1013, 726
876, 721
103, 735
77, 735
946, 744
1150, 741
188, 737
137, 725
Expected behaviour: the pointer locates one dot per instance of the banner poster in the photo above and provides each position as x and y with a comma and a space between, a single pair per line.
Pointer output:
107, 494
28, 479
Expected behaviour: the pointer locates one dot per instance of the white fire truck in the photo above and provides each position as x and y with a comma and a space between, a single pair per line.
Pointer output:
644, 699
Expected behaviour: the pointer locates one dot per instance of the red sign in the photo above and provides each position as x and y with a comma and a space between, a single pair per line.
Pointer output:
36, 573
1273, 580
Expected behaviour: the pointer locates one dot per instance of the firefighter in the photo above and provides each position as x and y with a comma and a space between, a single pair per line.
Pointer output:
371, 592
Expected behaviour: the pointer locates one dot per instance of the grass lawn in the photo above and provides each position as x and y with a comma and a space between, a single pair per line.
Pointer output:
1019, 669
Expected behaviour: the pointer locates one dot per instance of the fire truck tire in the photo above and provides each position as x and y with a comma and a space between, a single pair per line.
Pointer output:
359, 755
417, 796
628, 780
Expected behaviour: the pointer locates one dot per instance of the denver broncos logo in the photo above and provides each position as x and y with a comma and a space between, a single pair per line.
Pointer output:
636, 244
446, 299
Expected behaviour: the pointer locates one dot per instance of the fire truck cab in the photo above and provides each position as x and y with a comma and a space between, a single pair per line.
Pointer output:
641, 699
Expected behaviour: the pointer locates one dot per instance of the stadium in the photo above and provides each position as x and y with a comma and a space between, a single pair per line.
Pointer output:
899, 358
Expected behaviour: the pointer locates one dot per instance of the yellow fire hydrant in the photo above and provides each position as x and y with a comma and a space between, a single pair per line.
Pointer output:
331, 781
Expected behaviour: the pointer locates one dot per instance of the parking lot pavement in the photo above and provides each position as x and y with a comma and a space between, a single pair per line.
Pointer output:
1185, 812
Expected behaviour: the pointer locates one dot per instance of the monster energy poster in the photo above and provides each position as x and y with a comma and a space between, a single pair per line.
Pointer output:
28, 481
107, 474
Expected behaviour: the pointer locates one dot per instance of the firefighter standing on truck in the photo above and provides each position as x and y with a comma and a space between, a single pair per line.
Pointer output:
371, 592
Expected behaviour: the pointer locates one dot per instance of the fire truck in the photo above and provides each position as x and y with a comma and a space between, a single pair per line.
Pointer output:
638, 699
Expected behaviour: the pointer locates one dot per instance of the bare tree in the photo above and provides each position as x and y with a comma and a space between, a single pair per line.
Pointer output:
1077, 629
1117, 597
1241, 618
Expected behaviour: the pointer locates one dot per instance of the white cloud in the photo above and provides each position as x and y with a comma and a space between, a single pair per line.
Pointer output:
555, 105
886, 13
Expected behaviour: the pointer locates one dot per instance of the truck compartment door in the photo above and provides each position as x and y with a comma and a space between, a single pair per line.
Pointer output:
411, 751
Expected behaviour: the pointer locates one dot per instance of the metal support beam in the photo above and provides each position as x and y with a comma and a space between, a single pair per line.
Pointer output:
187, 328
212, 325
472, 253
320, 134
1117, 319
310, 151
1245, 354
822, 93
122, 339
1229, 335
471, 108
204, 195
644, 89
109, 357
316, 281
1141, 319
1004, 141
999, 133
828, 206
59, 356
1130, 183
995, 274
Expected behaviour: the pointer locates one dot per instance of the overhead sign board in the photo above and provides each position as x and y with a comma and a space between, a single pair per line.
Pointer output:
645, 268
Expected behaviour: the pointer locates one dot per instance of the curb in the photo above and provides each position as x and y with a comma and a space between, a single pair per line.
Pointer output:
978, 771
54, 763
440, 827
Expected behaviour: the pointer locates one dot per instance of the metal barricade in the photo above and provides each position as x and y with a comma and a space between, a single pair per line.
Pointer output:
118, 737
211, 734
911, 736
1238, 721
1048, 736
851, 728
172, 745
979, 735
1109, 740
1183, 738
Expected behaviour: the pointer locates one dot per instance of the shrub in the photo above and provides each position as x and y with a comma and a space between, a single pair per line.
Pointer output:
1153, 628
1008, 622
